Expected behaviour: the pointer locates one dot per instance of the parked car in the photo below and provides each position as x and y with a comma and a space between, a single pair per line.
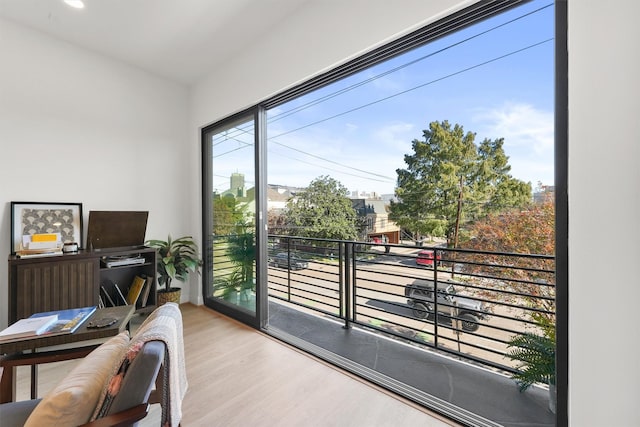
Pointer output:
294, 262
420, 299
425, 257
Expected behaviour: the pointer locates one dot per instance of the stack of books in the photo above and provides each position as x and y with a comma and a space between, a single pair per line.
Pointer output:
112, 294
48, 323
38, 245
122, 260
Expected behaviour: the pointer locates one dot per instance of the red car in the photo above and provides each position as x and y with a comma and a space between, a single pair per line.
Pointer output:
425, 257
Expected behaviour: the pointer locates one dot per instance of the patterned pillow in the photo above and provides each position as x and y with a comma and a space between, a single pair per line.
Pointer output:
112, 388
73, 401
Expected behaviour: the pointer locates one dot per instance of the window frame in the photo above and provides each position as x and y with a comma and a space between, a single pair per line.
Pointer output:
454, 22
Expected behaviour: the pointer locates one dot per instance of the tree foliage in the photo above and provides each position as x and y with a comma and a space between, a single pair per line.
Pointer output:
518, 231
228, 214
447, 165
524, 231
276, 222
322, 210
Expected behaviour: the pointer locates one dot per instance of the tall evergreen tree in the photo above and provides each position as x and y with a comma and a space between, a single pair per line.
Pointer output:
449, 178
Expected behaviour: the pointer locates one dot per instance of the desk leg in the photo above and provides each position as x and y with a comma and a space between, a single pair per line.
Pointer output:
7, 383
34, 381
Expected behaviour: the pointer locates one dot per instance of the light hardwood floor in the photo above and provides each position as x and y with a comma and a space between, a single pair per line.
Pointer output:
241, 377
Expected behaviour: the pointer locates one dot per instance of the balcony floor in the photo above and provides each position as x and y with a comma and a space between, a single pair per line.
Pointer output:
476, 395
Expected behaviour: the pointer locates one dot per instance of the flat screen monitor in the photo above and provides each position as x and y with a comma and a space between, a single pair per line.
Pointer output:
116, 229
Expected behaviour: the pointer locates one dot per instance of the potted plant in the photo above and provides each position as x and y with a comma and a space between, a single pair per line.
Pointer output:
176, 260
537, 357
230, 285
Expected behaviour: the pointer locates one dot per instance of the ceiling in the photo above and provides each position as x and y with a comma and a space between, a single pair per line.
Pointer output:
182, 40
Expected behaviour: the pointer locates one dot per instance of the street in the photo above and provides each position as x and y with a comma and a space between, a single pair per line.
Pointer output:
380, 302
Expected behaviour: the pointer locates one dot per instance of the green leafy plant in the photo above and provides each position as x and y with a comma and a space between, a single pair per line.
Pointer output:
537, 354
176, 259
230, 283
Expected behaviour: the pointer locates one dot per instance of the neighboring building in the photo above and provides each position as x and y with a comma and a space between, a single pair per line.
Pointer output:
236, 187
544, 192
277, 198
388, 197
370, 195
379, 228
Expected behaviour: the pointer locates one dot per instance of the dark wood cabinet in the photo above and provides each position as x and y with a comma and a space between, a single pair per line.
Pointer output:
75, 280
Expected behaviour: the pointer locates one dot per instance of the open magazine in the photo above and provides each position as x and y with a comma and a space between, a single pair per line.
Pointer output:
68, 320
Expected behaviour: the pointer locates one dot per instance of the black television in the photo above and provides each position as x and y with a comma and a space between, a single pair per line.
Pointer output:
116, 229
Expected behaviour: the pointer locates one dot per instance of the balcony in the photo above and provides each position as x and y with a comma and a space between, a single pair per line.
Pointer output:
374, 314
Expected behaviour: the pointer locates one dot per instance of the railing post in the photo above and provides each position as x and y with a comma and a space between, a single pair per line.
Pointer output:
341, 287
347, 285
435, 301
289, 269
354, 311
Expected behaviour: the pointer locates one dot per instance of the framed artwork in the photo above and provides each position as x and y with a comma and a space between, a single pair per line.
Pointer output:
28, 218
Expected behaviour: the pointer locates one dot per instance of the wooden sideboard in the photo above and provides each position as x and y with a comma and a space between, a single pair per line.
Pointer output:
74, 280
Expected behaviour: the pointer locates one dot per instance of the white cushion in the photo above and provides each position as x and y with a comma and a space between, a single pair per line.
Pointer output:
73, 401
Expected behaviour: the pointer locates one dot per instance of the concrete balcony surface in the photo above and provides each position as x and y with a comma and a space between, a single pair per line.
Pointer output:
469, 394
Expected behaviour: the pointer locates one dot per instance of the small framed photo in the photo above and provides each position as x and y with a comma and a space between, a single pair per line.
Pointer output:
29, 218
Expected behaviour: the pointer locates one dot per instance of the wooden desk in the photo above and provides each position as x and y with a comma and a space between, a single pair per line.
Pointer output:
14, 351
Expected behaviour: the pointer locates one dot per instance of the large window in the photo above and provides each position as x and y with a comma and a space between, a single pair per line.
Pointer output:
433, 138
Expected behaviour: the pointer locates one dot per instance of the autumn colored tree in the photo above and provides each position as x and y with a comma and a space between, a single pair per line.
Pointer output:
529, 231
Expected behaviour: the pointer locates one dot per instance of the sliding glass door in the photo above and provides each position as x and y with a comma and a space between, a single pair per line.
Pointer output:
231, 216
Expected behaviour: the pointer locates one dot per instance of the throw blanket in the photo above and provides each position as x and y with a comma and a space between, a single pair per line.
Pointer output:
163, 324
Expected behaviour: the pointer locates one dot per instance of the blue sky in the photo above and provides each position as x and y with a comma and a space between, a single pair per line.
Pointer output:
494, 78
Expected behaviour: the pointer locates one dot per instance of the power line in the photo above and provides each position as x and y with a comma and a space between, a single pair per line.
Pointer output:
386, 98
272, 139
400, 67
322, 99
334, 170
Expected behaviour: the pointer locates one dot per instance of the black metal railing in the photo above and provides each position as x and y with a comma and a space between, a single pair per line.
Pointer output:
467, 303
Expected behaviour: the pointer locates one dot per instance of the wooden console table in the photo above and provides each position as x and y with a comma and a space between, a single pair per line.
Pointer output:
52, 283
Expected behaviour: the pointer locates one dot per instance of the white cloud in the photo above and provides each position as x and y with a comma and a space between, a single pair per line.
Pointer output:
352, 127
528, 138
394, 137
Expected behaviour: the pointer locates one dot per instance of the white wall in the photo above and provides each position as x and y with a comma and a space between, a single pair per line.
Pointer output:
320, 36
77, 127
604, 213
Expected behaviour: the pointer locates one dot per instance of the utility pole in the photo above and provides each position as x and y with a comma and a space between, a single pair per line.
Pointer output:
455, 232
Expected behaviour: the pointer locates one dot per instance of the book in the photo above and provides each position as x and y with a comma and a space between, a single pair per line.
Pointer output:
122, 260
68, 321
135, 289
107, 297
36, 253
44, 237
120, 296
27, 328
146, 291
